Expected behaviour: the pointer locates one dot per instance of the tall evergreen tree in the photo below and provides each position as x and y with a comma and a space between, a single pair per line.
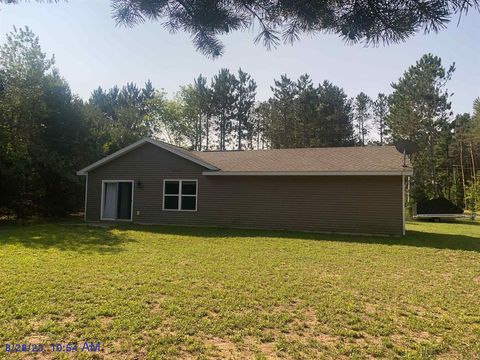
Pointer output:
224, 99
474, 130
380, 113
41, 131
473, 139
460, 160
191, 115
259, 140
125, 110
245, 100
362, 117
306, 111
281, 123
203, 96
336, 119
300, 115
419, 109
196, 103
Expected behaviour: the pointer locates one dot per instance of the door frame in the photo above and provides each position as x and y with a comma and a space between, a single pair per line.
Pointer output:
103, 194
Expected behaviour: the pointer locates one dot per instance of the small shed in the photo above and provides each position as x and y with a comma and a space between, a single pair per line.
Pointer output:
436, 209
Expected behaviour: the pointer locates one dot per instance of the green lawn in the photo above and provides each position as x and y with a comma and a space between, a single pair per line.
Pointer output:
165, 292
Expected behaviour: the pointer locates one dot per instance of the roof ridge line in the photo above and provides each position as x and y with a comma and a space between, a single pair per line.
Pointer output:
291, 149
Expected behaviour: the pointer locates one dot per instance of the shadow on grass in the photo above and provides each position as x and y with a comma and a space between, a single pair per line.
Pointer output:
91, 239
464, 222
64, 237
412, 238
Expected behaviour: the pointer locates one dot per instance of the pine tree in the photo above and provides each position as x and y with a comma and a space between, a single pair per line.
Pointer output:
42, 133
301, 115
282, 130
224, 99
126, 114
203, 102
306, 111
362, 116
380, 113
335, 127
245, 101
419, 109
370, 22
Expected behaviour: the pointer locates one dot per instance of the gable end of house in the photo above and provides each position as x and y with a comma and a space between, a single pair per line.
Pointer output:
170, 148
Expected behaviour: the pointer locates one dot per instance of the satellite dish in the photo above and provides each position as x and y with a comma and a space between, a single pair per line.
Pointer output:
406, 147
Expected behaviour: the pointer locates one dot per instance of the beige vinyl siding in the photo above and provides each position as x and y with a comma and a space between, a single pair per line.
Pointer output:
350, 204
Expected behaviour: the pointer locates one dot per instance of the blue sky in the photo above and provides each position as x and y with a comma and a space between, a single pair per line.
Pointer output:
91, 51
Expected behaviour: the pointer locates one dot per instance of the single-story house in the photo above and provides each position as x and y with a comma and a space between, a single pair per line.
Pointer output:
343, 189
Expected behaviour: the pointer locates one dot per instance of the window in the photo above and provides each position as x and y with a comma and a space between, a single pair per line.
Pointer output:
180, 195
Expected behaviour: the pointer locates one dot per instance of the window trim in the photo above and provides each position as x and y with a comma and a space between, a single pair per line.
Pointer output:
180, 181
102, 200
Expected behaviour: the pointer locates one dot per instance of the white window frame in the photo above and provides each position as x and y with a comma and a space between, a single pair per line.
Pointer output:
102, 199
180, 181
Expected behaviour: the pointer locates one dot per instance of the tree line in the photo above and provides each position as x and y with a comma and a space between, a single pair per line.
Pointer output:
47, 133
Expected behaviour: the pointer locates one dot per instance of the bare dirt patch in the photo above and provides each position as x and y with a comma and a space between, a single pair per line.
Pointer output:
68, 319
227, 349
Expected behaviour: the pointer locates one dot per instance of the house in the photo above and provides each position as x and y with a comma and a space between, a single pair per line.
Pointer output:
344, 190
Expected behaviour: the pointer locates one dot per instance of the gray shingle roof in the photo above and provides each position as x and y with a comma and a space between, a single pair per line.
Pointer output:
338, 159
379, 160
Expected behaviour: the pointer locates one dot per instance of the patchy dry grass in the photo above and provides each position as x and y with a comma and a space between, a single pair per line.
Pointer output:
165, 292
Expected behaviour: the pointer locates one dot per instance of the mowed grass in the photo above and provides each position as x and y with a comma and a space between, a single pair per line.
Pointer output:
166, 292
